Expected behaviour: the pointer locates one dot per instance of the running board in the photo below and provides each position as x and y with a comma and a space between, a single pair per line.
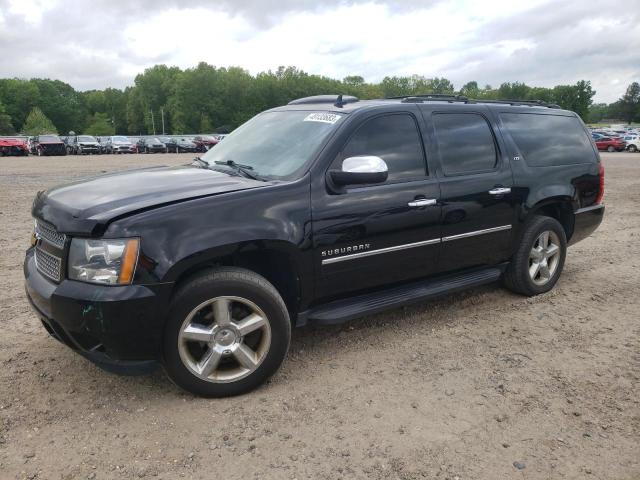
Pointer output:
340, 311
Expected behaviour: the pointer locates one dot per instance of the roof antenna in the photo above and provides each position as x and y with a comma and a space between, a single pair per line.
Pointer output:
339, 103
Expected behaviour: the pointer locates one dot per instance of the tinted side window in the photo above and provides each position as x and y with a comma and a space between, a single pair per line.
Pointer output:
546, 140
395, 139
465, 143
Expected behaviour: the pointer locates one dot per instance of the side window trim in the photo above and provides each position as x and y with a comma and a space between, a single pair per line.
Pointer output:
496, 146
427, 173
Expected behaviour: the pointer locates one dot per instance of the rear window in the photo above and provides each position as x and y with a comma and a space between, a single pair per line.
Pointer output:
548, 140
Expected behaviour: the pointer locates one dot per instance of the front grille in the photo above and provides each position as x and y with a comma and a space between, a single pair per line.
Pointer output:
48, 265
50, 235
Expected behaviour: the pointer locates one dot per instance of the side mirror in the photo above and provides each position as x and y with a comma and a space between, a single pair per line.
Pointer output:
360, 171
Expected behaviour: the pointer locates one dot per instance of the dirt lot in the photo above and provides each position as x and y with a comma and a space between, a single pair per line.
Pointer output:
460, 388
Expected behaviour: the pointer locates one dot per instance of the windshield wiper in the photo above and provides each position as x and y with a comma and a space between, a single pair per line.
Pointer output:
243, 169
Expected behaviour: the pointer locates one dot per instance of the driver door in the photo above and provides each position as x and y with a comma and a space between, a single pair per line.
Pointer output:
373, 235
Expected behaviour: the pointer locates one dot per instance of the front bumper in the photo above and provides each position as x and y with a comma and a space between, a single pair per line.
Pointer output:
117, 327
123, 149
54, 149
89, 149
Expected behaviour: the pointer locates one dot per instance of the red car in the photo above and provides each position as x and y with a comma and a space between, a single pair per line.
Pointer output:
610, 144
13, 146
205, 142
48, 145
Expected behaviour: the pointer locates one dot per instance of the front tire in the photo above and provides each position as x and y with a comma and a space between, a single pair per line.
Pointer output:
539, 259
611, 149
228, 331
632, 148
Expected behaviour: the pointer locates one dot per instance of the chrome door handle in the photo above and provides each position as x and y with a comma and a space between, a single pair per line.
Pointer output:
423, 202
499, 191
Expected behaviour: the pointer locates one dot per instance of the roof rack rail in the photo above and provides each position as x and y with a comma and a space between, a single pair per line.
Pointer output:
442, 97
337, 100
529, 103
430, 96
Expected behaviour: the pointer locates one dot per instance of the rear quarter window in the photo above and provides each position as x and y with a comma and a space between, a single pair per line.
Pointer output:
548, 140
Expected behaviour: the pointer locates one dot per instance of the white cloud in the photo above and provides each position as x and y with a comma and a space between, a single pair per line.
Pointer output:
536, 42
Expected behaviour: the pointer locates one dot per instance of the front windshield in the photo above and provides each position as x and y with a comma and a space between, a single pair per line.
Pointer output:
275, 144
86, 138
119, 139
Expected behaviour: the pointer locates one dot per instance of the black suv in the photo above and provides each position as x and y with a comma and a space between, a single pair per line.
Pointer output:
317, 212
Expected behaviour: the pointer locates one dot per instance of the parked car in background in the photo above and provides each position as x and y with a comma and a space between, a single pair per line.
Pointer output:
179, 145
610, 144
119, 144
48, 145
82, 145
103, 144
205, 142
134, 143
16, 147
633, 142
151, 145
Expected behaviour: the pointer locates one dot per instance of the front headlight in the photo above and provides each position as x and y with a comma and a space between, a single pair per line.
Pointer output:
108, 261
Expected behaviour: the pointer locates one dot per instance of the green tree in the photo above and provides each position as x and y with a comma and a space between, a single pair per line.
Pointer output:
100, 125
440, 85
62, 104
470, 89
37, 123
152, 92
597, 112
6, 127
577, 98
629, 104
19, 97
205, 124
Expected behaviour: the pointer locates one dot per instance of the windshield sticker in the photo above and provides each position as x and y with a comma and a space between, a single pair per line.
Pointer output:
322, 117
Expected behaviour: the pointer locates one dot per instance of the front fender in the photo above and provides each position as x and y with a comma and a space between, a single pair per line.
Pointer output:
178, 237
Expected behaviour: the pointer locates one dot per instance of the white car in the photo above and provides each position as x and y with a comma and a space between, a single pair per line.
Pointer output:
633, 142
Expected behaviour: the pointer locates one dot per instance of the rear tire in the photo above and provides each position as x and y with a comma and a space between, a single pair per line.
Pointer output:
632, 148
225, 357
537, 263
611, 149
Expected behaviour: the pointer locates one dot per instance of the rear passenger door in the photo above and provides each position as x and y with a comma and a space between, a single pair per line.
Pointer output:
478, 209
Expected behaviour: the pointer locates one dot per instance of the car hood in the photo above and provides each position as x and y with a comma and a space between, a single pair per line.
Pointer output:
87, 207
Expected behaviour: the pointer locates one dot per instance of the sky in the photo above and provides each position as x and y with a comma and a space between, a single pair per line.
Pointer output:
105, 43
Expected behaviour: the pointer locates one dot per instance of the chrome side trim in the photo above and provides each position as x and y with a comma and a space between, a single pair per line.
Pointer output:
476, 232
589, 209
328, 261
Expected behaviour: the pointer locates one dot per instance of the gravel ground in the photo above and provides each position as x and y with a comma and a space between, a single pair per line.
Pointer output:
480, 385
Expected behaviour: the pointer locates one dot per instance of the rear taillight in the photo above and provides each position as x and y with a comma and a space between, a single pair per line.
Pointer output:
601, 187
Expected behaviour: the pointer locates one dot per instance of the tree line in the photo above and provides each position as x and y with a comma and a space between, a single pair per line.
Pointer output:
207, 99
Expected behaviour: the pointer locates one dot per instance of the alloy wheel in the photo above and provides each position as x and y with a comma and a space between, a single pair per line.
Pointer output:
224, 339
544, 257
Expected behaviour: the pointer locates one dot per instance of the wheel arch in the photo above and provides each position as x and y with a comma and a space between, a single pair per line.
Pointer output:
277, 261
559, 207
